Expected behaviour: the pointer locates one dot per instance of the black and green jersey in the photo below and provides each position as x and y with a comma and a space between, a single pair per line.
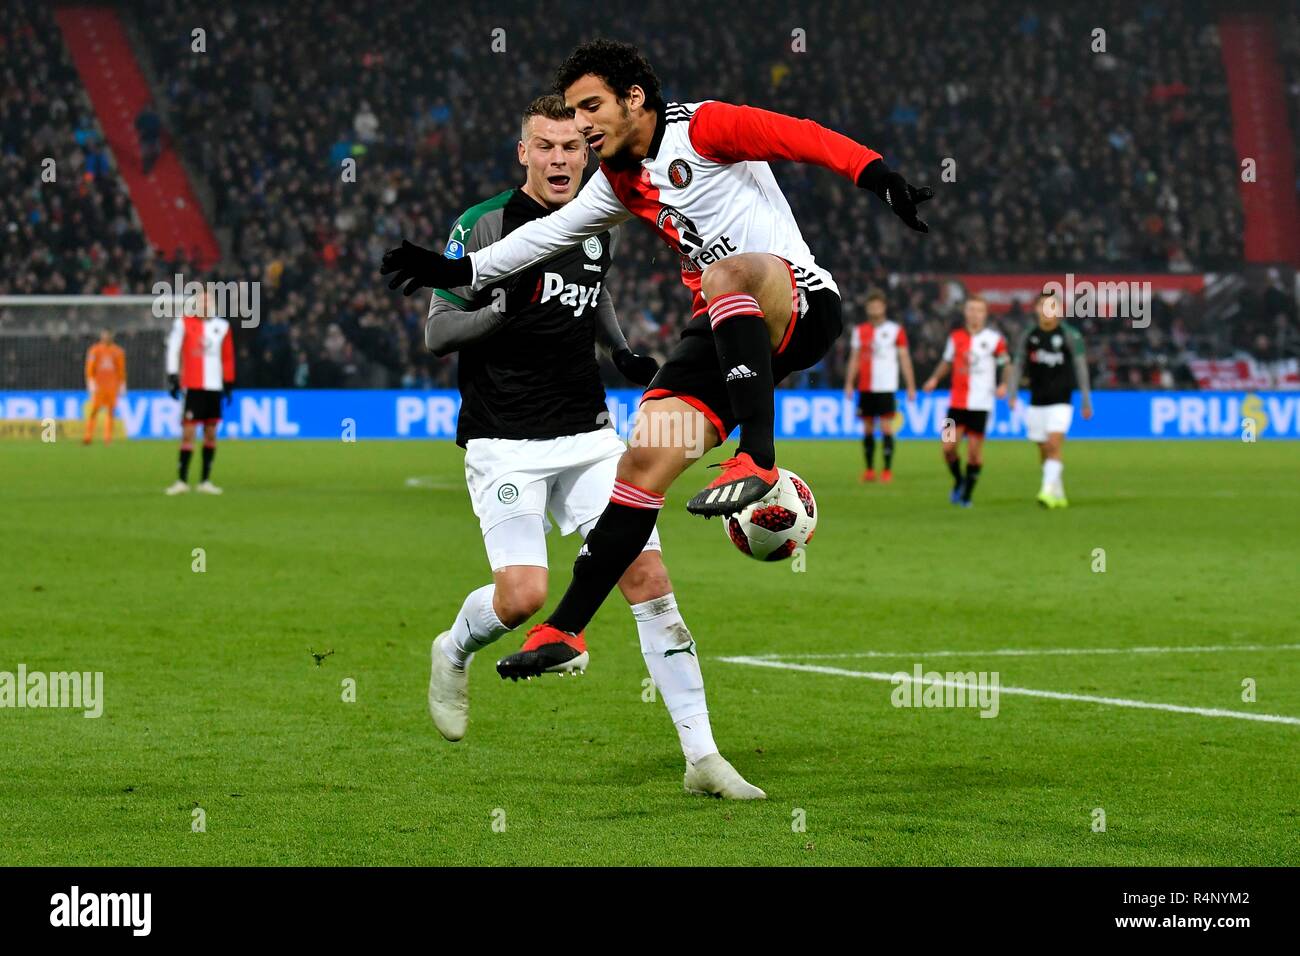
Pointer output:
536, 375
1055, 361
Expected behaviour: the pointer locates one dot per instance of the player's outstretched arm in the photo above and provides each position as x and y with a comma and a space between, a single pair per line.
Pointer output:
173, 361
594, 210
1079, 354
637, 369
909, 374
726, 133
936, 377
450, 326
1019, 362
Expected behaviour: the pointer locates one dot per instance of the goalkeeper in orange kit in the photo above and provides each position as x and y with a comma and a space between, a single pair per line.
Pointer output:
105, 381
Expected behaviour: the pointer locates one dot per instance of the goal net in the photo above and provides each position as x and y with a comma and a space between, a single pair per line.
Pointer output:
44, 339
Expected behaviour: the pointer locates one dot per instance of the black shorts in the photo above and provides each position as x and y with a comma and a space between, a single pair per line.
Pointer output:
693, 373
876, 404
201, 405
973, 422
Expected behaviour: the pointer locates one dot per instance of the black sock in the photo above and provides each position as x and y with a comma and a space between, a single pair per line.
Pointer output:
186, 454
869, 446
745, 354
972, 473
209, 452
888, 442
955, 467
611, 546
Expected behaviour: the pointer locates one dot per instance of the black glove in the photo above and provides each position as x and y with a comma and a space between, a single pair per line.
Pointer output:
638, 369
418, 267
521, 292
896, 192
227, 394
174, 386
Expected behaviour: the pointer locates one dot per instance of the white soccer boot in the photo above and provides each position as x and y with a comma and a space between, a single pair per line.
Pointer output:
712, 776
208, 488
448, 691
177, 487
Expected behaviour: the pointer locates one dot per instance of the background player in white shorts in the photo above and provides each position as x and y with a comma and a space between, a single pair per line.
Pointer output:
1053, 355
535, 428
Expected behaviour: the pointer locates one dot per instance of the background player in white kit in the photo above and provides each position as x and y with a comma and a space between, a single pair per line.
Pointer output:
535, 429
697, 174
1052, 353
200, 360
974, 353
878, 351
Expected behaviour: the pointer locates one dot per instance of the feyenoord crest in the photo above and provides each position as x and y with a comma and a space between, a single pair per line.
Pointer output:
591, 246
679, 173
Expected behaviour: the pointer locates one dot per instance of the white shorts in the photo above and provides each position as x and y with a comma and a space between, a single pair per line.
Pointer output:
1044, 420
570, 478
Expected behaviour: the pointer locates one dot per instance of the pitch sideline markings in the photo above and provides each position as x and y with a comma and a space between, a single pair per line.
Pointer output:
1021, 691
1034, 652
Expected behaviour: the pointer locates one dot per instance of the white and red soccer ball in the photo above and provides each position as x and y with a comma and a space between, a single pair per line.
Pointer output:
772, 528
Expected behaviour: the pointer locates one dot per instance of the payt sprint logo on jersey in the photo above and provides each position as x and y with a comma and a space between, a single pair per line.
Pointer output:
572, 294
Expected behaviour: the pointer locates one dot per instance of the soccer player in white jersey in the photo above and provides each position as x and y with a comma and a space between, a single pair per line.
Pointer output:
697, 174
878, 351
538, 441
974, 353
200, 360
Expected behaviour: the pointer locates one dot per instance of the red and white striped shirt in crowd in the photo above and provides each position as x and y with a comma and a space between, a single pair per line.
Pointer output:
975, 360
202, 352
878, 348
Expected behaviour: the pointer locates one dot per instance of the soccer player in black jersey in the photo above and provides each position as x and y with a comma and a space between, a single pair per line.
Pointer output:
537, 438
1052, 353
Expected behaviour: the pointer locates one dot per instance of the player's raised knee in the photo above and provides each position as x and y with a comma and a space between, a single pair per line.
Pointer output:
733, 274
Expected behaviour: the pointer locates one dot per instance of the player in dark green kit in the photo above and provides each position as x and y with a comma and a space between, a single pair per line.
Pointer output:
539, 446
1053, 355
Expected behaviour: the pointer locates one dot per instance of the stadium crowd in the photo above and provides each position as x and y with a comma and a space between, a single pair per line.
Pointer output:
1047, 154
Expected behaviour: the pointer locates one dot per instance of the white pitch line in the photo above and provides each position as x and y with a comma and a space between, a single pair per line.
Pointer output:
1035, 652
1021, 691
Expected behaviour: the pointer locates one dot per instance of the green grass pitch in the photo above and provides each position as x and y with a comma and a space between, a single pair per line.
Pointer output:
214, 702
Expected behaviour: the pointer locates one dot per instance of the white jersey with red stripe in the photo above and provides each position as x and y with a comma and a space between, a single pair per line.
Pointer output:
705, 188
878, 348
202, 352
975, 360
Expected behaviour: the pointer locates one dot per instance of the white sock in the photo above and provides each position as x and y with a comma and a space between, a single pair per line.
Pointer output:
1052, 469
477, 626
670, 656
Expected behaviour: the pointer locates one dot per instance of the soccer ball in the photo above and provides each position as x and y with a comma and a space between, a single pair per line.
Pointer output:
774, 526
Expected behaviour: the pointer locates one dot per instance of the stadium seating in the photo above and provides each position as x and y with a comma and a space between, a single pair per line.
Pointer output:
1066, 159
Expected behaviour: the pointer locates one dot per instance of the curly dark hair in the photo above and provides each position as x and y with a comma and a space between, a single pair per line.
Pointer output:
620, 65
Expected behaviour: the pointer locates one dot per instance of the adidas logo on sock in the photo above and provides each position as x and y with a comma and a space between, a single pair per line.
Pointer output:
740, 371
